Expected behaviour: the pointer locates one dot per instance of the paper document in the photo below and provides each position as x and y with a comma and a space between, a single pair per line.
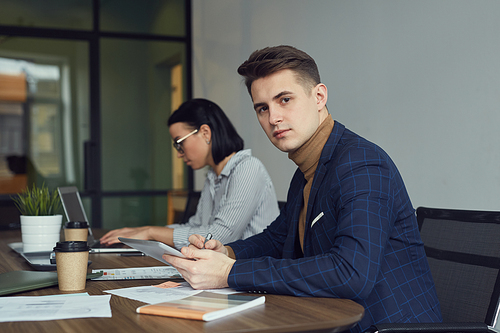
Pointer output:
152, 294
35, 308
157, 272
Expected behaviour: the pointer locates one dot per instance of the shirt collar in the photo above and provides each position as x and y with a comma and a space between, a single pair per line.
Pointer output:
230, 165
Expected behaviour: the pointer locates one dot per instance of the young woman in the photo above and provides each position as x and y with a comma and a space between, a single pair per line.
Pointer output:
238, 199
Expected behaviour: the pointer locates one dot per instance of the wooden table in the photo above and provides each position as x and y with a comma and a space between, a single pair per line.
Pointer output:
279, 314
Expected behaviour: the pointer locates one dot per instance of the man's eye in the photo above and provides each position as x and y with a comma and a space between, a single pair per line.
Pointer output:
262, 109
285, 100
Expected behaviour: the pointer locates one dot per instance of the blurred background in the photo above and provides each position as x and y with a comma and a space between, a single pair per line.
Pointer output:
86, 88
87, 85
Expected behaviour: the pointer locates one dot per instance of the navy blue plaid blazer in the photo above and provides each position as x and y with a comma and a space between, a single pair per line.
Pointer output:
361, 240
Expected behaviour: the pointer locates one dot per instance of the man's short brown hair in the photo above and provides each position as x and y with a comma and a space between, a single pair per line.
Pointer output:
270, 60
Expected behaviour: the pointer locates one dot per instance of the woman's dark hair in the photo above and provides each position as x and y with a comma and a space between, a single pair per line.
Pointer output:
196, 112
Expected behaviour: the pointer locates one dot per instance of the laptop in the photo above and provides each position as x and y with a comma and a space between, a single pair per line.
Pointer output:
73, 208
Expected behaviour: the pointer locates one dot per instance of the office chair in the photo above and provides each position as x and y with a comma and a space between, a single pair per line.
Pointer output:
463, 250
9, 215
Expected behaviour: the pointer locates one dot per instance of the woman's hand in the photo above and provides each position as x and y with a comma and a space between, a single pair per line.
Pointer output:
138, 233
157, 233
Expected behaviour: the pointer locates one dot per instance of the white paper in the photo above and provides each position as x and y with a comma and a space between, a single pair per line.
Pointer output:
153, 295
157, 272
35, 308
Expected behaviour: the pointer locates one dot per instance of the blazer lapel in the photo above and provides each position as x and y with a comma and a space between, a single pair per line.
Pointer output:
319, 175
291, 247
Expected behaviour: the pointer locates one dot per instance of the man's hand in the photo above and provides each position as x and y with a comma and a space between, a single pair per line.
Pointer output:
209, 270
197, 242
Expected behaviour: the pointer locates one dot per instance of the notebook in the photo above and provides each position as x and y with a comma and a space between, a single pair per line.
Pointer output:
73, 208
205, 306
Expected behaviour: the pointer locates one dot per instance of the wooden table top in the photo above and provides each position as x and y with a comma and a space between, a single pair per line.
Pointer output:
278, 314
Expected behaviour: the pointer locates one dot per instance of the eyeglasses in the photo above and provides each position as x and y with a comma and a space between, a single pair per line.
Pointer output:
178, 143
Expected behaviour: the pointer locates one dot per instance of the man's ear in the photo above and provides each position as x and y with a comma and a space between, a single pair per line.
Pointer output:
321, 94
206, 132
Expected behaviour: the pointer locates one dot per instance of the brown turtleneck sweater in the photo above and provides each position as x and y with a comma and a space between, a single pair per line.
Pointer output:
307, 158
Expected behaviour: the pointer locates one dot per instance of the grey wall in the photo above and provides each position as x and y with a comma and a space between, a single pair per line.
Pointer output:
419, 78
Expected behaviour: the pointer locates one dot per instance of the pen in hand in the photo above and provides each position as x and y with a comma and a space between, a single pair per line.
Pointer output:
209, 237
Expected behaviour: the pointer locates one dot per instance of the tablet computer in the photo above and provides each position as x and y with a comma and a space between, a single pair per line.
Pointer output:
153, 249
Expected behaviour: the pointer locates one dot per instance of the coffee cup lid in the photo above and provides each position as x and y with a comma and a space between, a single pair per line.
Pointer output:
71, 246
76, 224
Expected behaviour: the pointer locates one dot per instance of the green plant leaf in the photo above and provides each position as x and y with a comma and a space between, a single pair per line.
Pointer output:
38, 201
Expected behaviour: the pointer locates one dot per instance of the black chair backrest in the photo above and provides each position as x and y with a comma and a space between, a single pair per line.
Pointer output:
463, 249
191, 204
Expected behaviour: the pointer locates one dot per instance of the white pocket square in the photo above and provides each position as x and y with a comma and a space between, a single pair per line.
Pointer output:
320, 215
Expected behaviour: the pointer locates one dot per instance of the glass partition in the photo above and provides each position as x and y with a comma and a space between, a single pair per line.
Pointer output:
42, 131
133, 211
161, 17
85, 103
64, 14
137, 99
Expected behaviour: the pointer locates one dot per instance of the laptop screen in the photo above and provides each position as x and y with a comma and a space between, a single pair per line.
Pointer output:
72, 204
73, 207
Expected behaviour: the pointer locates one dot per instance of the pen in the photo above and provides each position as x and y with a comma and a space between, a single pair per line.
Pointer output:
209, 237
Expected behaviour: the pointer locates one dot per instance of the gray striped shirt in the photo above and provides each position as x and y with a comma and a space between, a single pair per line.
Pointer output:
237, 204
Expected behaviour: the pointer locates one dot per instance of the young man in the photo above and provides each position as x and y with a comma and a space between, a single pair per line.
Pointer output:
348, 229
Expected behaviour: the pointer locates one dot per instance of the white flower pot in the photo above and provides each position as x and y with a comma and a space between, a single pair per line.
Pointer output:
40, 233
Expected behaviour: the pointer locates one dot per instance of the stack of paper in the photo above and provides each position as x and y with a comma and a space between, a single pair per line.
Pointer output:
34, 308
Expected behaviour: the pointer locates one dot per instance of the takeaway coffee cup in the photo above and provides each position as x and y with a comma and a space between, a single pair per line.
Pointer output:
71, 261
76, 231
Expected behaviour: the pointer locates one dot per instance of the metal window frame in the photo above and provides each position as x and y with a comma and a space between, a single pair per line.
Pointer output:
92, 155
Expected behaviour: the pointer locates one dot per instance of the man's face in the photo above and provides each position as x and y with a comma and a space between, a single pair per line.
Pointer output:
286, 111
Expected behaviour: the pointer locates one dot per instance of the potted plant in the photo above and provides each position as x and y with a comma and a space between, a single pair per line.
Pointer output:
40, 218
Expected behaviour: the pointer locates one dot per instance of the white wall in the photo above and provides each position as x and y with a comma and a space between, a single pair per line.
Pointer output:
419, 78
